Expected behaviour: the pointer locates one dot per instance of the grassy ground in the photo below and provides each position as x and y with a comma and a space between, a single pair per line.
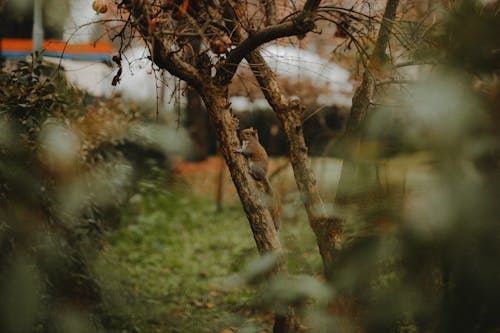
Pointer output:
170, 266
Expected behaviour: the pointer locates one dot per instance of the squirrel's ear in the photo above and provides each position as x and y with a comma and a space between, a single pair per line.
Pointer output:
255, 131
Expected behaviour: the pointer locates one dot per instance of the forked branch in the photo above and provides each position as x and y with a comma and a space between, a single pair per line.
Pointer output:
163, 56
299, 24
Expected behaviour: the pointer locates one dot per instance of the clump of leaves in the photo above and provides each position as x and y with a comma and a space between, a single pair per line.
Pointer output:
28, 98
55, 196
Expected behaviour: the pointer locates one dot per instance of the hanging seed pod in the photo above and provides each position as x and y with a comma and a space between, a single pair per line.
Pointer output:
100, 6
220, 44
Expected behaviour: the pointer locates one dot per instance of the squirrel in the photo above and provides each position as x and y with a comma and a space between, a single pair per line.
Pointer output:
258, 164
258, 161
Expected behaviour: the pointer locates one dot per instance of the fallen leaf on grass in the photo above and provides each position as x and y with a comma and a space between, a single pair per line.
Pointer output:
197, 303
177, 313
210, 305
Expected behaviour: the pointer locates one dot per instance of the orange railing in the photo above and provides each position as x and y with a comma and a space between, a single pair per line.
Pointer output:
98, 51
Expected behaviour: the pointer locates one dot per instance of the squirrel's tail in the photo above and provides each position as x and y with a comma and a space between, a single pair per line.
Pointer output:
273, 203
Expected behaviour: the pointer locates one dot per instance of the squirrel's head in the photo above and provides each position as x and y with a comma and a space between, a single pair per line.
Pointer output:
249, 134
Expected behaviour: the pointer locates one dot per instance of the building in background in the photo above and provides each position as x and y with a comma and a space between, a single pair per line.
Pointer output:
75, 39
80, 47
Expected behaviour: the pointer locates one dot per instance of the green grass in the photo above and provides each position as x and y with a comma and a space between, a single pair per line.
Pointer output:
169, 266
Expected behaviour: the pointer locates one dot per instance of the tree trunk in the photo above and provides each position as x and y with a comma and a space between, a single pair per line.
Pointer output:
328, 229
265, 235
359, 179
214, 92
196, 117
197, 124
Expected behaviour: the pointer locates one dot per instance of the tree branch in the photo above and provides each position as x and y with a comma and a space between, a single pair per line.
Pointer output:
414, 63
364, 93
299, 24
162, 56
393, 81
255, 206
361, 102
326, 228
385, 30
281, 105
311, 5
269, 11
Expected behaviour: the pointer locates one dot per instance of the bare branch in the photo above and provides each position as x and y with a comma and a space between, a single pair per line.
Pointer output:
414, 63
267, 81
269, 11
345, 11
300, 24
311, 5
364, 93
391, 81
357, 43
362, 99
385, 30
162, 56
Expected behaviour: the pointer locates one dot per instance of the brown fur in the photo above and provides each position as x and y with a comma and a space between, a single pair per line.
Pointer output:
258, 164
258, 161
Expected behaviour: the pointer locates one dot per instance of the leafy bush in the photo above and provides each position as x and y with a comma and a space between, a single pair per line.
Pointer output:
57, 187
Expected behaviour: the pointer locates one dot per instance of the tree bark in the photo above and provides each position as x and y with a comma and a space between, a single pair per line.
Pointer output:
260, 219
197, 124
359, 179
226, 128
196, 118
214, 92
327, 228
351, 184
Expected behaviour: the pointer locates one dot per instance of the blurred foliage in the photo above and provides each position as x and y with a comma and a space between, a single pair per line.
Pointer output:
423, 255
62, 179
33, 92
